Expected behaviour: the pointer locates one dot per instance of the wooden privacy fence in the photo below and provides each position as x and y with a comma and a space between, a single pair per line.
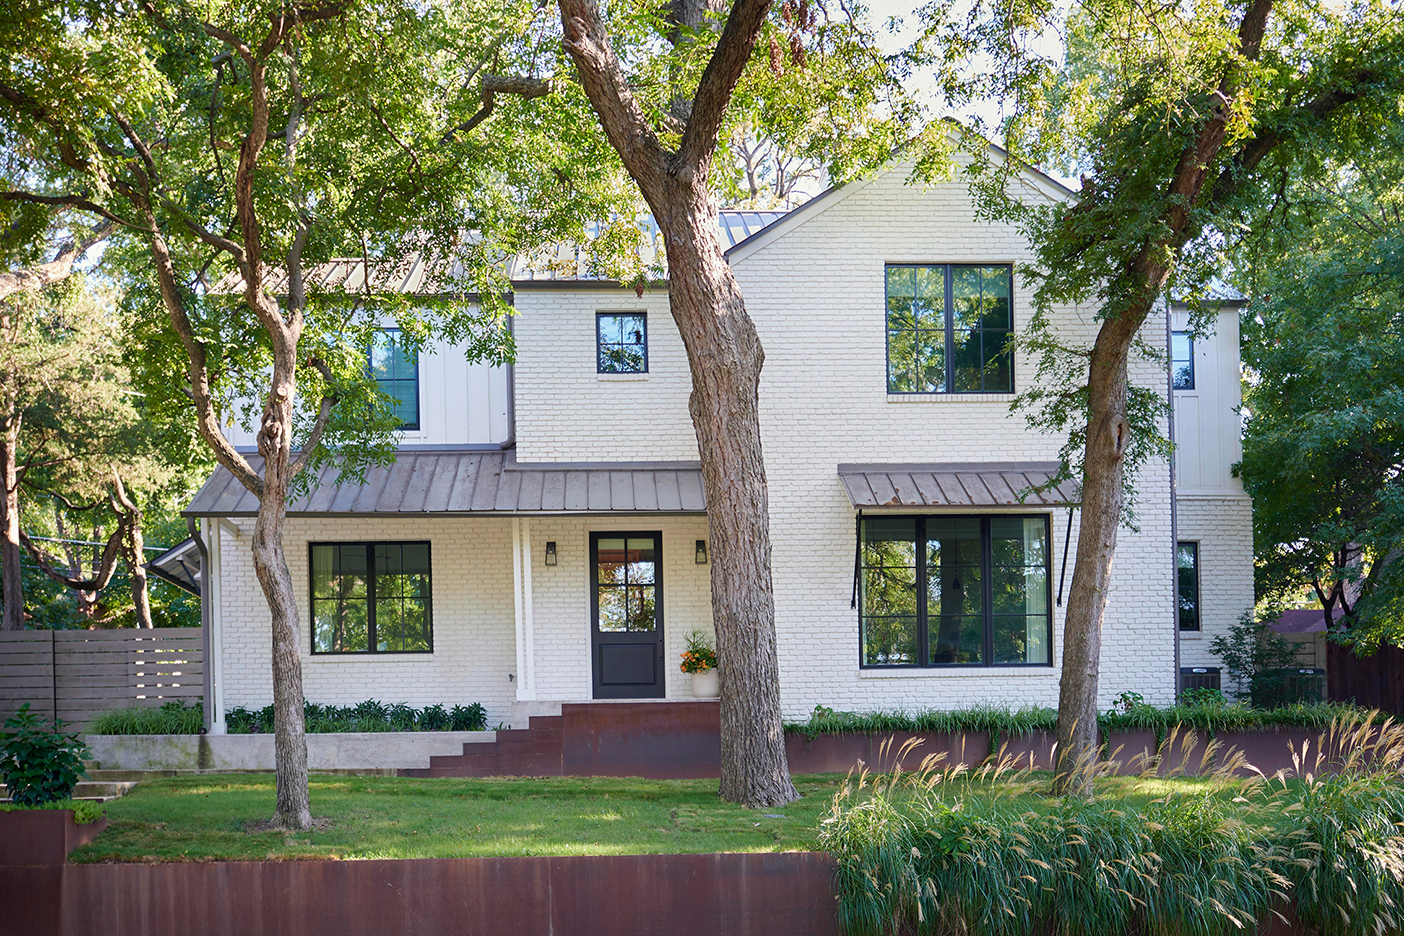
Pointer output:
1375, 681
77, 675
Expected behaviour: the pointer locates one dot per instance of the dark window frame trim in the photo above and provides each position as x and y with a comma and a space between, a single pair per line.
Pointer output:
599, 313
1189, 336
418, 414
594, 576
987, 588
1198, 589
950, 333
370, 604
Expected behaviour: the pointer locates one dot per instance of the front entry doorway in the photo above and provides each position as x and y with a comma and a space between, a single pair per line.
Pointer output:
626, 602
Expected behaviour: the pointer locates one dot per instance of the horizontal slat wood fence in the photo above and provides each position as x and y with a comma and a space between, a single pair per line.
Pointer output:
1375, 681
77, 675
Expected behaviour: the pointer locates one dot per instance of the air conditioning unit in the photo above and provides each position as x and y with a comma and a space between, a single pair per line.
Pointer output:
1199, 677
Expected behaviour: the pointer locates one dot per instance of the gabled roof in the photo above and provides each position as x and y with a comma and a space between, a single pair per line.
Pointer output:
563, 262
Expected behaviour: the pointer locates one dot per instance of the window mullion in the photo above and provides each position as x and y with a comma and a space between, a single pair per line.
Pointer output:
950, 330
923, 657
987, 587
370, 597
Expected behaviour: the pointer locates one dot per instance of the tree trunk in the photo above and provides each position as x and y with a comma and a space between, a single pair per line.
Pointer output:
725, 357
1102, 502
294, 806
10, 573
136, 571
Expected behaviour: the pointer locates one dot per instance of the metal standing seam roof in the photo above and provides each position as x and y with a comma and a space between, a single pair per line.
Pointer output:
978, 484
563, 261
463, 483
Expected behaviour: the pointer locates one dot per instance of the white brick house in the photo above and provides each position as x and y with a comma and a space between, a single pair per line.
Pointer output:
522, 493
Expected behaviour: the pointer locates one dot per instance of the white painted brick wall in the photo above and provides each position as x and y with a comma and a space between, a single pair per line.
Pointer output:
1223, 527
817, 297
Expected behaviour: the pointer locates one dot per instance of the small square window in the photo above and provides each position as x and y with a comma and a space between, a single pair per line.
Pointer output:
1182, 360
948, 328
621, 342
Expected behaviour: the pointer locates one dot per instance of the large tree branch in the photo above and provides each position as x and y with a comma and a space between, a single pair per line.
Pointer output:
491, 86
102, 575
60, 267
206, 417
319, 426
607, 87
733, 51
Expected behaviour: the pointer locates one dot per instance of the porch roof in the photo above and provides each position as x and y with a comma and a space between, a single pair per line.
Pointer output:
475, 482
966, 484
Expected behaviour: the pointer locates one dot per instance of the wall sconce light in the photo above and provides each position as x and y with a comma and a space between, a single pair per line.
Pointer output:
551, 553
701, 556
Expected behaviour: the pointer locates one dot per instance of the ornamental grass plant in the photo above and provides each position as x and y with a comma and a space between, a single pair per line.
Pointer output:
917, 852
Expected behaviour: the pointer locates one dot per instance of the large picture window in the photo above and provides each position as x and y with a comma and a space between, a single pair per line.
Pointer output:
397, 375
948, 329
955, 591
371, 598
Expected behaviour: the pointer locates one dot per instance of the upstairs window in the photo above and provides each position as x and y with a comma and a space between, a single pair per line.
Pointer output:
397, 375
1187, 560
1182, 360
948, 327
621, 343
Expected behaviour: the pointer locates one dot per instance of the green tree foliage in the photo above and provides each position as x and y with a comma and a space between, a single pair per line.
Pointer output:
1323, 447
1177, 120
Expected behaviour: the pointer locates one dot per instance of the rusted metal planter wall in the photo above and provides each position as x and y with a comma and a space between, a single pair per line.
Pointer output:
42, 836
641, 895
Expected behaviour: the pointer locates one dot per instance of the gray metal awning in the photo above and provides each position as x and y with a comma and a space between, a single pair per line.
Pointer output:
977, 484
179, 565
466, 483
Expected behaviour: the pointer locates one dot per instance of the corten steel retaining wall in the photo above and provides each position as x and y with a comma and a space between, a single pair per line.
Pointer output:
644, 895
76, 675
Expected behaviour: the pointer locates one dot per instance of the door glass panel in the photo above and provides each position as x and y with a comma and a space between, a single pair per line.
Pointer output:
626, 589
955, 596
610, 561
614, 615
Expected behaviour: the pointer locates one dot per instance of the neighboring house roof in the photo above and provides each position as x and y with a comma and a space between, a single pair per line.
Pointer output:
465, 482
979, 484
1305, 620
566, 261
179, 565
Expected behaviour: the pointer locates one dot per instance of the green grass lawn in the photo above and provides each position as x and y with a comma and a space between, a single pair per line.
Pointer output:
218, 816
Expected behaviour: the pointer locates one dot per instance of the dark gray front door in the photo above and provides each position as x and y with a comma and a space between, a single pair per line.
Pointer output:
626, 599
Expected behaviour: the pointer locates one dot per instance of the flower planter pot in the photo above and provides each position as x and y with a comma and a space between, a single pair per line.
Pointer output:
706, 685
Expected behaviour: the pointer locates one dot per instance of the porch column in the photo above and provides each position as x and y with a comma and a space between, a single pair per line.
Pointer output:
211, 612
526, 630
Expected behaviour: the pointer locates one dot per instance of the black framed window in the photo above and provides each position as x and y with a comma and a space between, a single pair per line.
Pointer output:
621, 342
397, 375
371, 598
955, 591
1182, 360
1187, 565
948, 328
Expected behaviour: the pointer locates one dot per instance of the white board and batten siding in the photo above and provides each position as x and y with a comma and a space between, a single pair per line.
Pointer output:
461, 402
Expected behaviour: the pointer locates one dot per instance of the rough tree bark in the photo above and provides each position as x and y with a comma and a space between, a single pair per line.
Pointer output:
9, 509
1108, 434
134, 552
725, 357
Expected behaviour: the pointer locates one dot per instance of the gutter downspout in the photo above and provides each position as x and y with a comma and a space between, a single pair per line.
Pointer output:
192, 526
1174, 499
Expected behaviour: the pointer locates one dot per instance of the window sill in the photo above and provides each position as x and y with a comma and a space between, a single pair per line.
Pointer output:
333, 657
621, 378
951, 397
962, 672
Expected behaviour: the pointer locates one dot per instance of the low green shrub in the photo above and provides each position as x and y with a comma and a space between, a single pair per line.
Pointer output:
84, 811
1202, 713
368, 716
912, 857
171, 718
39, 764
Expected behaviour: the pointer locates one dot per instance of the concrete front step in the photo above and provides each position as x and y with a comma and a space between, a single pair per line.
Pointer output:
97, 791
